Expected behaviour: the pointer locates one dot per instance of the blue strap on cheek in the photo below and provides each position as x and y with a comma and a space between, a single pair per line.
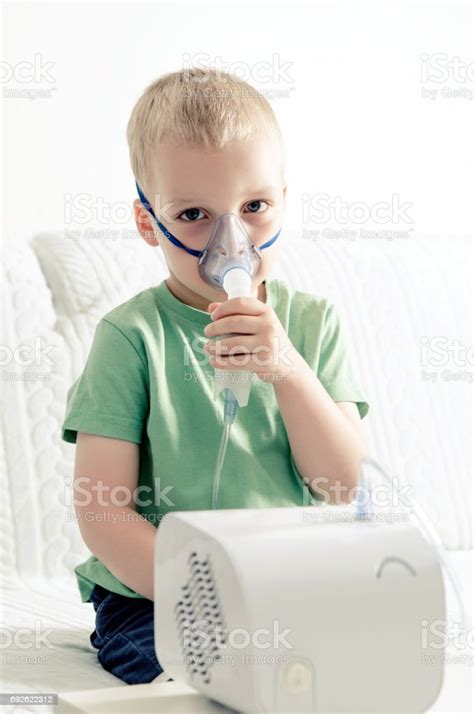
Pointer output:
163, 228
173, 238
269, 242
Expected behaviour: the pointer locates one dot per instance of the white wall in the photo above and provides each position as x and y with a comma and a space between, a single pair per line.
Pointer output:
354, 117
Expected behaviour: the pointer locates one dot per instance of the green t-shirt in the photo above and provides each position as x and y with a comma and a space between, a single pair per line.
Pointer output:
148, 380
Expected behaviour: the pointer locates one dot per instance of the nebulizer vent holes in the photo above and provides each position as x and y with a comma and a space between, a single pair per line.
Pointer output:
230, 409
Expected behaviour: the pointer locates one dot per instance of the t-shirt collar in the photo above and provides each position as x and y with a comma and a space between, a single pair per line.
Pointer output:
201, 317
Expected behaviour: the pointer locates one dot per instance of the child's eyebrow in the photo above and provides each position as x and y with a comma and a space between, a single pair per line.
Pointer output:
197, 199
265, 189
178, 199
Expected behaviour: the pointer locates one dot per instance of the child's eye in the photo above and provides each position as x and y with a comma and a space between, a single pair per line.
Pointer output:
256, 206
191, 214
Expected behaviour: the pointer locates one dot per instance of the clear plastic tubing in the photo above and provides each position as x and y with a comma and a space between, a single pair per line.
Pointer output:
230, 409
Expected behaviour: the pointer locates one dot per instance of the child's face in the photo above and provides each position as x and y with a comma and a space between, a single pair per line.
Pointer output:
193, 186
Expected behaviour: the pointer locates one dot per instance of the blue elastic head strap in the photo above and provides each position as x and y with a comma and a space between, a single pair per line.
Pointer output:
175, 240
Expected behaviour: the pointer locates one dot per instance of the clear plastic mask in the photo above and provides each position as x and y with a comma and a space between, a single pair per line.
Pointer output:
229, 246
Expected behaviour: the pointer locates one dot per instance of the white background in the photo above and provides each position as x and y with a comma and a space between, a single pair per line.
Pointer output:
354, 119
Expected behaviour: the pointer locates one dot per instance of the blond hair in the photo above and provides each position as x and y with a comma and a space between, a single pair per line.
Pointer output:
203, 107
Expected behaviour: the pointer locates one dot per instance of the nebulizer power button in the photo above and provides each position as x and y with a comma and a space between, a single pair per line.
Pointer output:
297, 677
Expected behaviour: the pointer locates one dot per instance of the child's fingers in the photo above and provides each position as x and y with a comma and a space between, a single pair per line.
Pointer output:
237, 306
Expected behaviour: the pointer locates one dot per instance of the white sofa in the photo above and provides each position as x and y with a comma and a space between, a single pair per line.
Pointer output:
389, 293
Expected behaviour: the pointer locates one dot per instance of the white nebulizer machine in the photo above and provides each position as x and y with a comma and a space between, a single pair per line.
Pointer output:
302, 609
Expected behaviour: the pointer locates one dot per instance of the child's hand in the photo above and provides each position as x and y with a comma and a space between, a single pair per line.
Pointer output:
260, 345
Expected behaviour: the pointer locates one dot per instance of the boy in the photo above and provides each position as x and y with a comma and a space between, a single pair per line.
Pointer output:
146, 426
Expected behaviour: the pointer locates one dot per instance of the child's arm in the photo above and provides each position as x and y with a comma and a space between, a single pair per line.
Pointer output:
105, 477
327, 440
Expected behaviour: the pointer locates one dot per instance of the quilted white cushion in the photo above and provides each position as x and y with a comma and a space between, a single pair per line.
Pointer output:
389, 295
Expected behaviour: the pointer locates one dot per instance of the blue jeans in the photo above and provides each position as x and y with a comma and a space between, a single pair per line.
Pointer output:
124, 636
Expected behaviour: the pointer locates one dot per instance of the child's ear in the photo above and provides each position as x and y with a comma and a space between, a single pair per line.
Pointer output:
144, 223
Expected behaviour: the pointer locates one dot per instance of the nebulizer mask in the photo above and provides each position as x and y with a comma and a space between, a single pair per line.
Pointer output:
228, 262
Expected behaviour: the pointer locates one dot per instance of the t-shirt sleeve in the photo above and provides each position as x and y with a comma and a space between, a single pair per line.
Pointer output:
111, 396
336, 370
